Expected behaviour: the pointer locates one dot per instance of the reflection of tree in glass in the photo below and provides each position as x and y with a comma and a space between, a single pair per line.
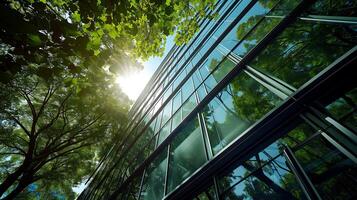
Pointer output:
258, 184
304, 48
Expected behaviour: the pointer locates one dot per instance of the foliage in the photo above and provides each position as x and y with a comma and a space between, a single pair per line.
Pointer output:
59, 106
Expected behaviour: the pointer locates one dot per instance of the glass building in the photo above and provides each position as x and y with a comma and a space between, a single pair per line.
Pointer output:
260, 104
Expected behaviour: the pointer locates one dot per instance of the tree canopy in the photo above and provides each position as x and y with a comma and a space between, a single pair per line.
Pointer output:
59, 106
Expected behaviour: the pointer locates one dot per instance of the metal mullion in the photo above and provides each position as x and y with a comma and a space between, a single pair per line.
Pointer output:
284, 87
216, 188
325, 18
347, 146
342, 128
167, 169
267, 85
304, 181
205, 135
339, 147
142, 183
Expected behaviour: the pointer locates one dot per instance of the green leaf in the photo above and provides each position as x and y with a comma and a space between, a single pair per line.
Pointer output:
76, 16
34, 40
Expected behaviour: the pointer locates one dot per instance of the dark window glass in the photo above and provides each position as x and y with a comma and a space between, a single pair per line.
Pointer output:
187, 154
243, 102
154, 180
273, 180
294, 137
208, 194
344, 109
304, 49
332, 173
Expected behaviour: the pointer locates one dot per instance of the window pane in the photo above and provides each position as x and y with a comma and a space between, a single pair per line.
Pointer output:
165, 131
154, 180
176, 119
226, 66
176, 101
166, 113
188, 106
187, 89
274, 180
201, 92
235, 108
332, 173
178, 80
303, 50
187, 154
343, 109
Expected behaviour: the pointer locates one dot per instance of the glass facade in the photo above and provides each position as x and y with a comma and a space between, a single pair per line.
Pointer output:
260, 104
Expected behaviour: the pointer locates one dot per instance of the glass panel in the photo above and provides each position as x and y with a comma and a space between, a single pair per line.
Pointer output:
204, 70
210, 83
235, 108
332, 173
188, 106
158, 122
196, 79
344, 109
212, 61
178, 80
165, 131
166, 113
304, 49
154, 180
176, 119
187, 154
187, 89
201, 92
294, 137
334, 8
167, 93
249, 20
274, 180
208, 194
222, 70
176, 101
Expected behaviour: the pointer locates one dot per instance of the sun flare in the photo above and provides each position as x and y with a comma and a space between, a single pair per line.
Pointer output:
133, 83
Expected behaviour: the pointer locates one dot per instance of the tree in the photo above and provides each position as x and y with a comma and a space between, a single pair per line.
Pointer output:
59, 106
51, 131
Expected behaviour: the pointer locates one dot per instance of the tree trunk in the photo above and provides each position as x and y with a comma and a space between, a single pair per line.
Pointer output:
10, 180
19, 188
